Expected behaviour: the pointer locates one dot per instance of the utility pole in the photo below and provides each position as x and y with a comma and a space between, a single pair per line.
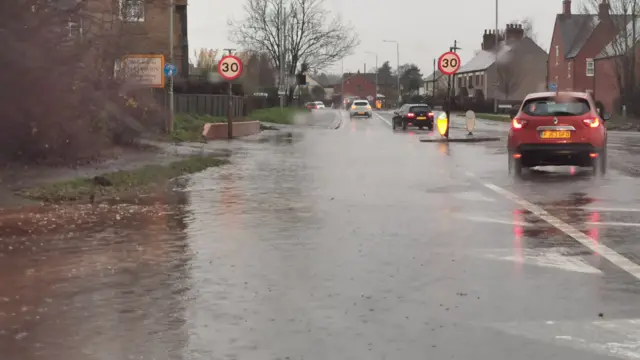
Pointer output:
342, 86
451, 81
495, 98
230, 105
282, 49
433, 86
398, 80
375, 96
172, 10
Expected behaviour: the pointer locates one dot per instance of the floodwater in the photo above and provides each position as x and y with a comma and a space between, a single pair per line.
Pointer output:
348, 243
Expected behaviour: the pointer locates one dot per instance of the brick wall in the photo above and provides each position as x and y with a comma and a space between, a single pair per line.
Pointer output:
359, 86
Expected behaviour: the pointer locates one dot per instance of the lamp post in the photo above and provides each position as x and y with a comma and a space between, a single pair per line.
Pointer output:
495, 99
375, 96
398, 64
172, 10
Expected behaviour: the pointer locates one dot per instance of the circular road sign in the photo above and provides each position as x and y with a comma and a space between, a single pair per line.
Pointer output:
230, 67
449, 63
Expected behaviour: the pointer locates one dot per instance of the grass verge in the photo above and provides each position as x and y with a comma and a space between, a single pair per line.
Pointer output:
188, 127
275, 115
494, 117
120, 182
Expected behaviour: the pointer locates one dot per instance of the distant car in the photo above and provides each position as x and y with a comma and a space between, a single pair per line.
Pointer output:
311, 106
558, 129
319, 105
361, 108
419, 115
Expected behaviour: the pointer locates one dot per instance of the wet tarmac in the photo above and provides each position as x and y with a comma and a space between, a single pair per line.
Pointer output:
349, 243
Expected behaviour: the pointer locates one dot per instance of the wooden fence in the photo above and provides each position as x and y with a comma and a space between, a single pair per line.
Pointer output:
207, 104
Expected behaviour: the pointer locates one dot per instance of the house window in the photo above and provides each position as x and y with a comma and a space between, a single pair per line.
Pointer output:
132, 10
477, 80
591, 67
74, 29
459, 82
569, 70
557, 54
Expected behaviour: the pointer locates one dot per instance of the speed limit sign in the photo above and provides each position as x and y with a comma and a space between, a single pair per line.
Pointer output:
449, 63
230, 67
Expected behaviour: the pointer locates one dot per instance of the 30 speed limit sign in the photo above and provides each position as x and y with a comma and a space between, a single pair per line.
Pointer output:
230, 67
449, 63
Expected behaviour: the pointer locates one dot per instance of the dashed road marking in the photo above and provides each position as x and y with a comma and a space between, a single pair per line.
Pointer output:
598, 248
612, 223
382, 118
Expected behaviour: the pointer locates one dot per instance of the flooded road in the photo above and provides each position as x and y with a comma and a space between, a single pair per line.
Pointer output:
354, 243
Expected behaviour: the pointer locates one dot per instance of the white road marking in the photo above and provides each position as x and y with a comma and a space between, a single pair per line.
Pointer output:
495, 221
619, 338
597, 247
550, 258
619, 224
599, 209
382, 118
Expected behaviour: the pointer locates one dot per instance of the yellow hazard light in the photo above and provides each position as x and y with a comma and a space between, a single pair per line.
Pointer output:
442, 123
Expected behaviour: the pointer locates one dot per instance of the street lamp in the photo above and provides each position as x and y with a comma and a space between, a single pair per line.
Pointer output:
495, 98
375, 96
398, 60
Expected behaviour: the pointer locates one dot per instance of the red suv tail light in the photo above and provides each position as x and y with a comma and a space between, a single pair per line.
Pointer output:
411, 115
430, 114
592, 123
518, 124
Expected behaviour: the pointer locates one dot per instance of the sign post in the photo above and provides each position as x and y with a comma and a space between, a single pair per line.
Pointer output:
449, 64
230, 68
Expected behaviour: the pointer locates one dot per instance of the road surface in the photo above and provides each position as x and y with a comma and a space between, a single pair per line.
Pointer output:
348, 243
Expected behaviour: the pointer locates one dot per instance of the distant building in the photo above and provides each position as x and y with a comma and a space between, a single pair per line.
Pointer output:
363, 85
508, 67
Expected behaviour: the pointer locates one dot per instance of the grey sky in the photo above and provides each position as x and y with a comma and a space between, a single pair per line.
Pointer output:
424, 29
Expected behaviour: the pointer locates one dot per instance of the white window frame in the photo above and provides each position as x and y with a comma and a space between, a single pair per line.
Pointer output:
590, 68
75, 29
557, 54
569, 70
131, 10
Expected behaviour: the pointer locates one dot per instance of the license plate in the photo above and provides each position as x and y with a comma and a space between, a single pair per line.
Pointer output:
422, 118
555, 134
360, 113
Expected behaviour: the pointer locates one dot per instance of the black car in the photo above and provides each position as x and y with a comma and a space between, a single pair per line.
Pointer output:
419, 115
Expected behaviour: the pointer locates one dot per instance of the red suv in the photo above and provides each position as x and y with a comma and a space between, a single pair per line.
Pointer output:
564, 128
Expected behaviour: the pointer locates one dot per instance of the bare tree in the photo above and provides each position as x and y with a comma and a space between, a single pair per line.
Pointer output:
60, 98
622, 48
311, 36
509, 75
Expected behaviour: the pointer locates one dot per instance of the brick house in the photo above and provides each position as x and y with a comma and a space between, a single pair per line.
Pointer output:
608, 70
576, 41
128, 27
509, 72
363, 85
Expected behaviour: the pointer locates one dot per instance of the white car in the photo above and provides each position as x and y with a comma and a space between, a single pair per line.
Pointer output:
319, 105
361, 108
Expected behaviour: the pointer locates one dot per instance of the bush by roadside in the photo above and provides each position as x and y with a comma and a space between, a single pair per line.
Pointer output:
112, 184
275, 115
493, 117
188, 127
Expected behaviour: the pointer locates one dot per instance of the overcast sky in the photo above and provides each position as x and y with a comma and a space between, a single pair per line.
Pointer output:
424, 29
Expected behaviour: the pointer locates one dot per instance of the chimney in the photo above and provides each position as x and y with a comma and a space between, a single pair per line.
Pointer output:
566, 7
489, 40
603, 10
514, 33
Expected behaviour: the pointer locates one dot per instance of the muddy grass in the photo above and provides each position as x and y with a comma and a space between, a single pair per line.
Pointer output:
119, 183
188, 127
